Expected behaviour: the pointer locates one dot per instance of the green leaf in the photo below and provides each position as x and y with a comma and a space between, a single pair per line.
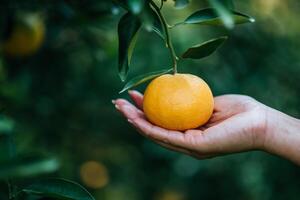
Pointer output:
204, 49
179, 4
229, 4
223, 12
27, 166
139, 8
157, 26
147, 16
127, 32
209, 16
143, 78
58, 188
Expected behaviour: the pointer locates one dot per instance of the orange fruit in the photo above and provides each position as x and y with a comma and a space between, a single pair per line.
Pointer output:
178, 102
94, 174
27, 35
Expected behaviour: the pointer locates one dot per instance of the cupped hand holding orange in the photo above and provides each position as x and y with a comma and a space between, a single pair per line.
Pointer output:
237, 123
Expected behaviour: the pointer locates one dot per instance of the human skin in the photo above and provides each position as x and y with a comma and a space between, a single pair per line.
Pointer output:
239, 123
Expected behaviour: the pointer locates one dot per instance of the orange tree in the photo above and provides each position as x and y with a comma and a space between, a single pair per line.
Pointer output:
148, 14
181, 101
23, 37
56, 99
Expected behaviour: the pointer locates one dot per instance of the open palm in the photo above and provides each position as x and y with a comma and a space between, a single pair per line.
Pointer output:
237, 124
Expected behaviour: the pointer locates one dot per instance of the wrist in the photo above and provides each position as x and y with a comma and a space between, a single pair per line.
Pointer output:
282, 135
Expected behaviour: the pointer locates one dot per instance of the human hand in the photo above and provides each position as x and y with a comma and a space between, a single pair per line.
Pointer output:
237, 124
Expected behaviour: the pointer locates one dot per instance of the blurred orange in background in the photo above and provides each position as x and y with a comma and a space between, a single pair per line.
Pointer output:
26, 34
94, 174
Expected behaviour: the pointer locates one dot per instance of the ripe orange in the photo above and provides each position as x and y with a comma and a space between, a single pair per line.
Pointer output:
178, 102
27, 35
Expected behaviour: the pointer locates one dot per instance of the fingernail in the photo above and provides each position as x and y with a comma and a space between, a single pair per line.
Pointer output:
113, 101
130, 91
130, 121
117, 107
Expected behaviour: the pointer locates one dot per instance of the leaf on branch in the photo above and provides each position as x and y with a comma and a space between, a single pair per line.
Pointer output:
229, 4
209, 16
157, 26
223, 9
204, 49
58, 188
143, 78
180, 4
127, 32
148, 17
223, 12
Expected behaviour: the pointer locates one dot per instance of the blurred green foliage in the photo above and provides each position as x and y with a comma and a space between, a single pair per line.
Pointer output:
60, 98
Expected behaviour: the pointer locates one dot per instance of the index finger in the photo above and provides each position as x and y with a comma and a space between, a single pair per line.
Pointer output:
137, 97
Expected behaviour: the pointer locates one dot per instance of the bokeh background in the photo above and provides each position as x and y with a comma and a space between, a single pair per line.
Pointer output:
60, 99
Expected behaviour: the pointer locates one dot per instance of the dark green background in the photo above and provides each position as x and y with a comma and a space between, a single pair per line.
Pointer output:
60, 98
